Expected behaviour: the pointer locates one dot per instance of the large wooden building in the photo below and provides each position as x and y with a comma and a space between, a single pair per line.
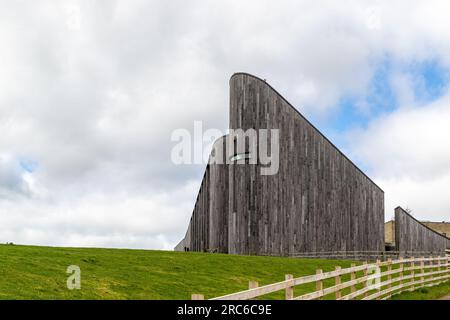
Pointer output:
412, 235
317, 201
442, 228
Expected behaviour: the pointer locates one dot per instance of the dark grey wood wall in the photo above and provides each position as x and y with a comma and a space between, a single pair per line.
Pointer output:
318, 201
208, 227
411, 235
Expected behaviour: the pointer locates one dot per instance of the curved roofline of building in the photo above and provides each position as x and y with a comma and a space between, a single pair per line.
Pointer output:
298, 112
425, 226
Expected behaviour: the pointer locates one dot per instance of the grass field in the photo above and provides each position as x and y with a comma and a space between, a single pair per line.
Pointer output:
427, 293
31, 272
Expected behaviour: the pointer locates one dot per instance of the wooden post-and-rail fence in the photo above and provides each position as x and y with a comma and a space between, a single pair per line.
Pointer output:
379, 280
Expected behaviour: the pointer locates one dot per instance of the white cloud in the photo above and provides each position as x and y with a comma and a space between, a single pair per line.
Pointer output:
144, 220
409, 142
428, 199
409, 157
92, 90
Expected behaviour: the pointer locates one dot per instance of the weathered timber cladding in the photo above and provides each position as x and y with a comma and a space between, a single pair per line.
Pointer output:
411, 235
208, 228
318, 201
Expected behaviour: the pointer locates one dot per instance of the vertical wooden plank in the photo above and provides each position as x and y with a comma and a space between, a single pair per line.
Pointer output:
366, 273
319, 283
436, 265
439, 262
431, 263
337, 281
401, 270
353, 277
389, 268
253, 284
412, 265
379, 288
422, 279
289, 294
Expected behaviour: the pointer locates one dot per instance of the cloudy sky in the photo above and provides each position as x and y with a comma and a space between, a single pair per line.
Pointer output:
90, 92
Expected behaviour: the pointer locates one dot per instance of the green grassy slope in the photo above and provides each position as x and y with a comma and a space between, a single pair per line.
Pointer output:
426, 293
31, 272
28, 272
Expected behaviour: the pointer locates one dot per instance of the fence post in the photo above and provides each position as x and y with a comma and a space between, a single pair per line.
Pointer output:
289, 290
379, 288
197, 297
366, 273
413, 273
389, 268
422, 270
436, 264
319, 282
431, 264
337, 281
439, 266
401, 270
353, 277
447, 261
400, 258
253, 285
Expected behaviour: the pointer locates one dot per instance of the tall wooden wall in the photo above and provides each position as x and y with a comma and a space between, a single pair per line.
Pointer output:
208, 227
318, 201
412, 235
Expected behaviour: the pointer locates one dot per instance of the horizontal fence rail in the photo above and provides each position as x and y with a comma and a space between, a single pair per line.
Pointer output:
368, 281
364, 255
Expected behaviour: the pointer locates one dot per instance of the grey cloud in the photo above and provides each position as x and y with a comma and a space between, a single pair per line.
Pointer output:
93, 90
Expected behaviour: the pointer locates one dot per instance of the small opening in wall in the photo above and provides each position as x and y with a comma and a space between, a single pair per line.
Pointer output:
241, 156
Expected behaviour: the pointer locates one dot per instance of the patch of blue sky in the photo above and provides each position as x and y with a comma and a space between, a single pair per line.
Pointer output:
358, 110
429, 81
28, 165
